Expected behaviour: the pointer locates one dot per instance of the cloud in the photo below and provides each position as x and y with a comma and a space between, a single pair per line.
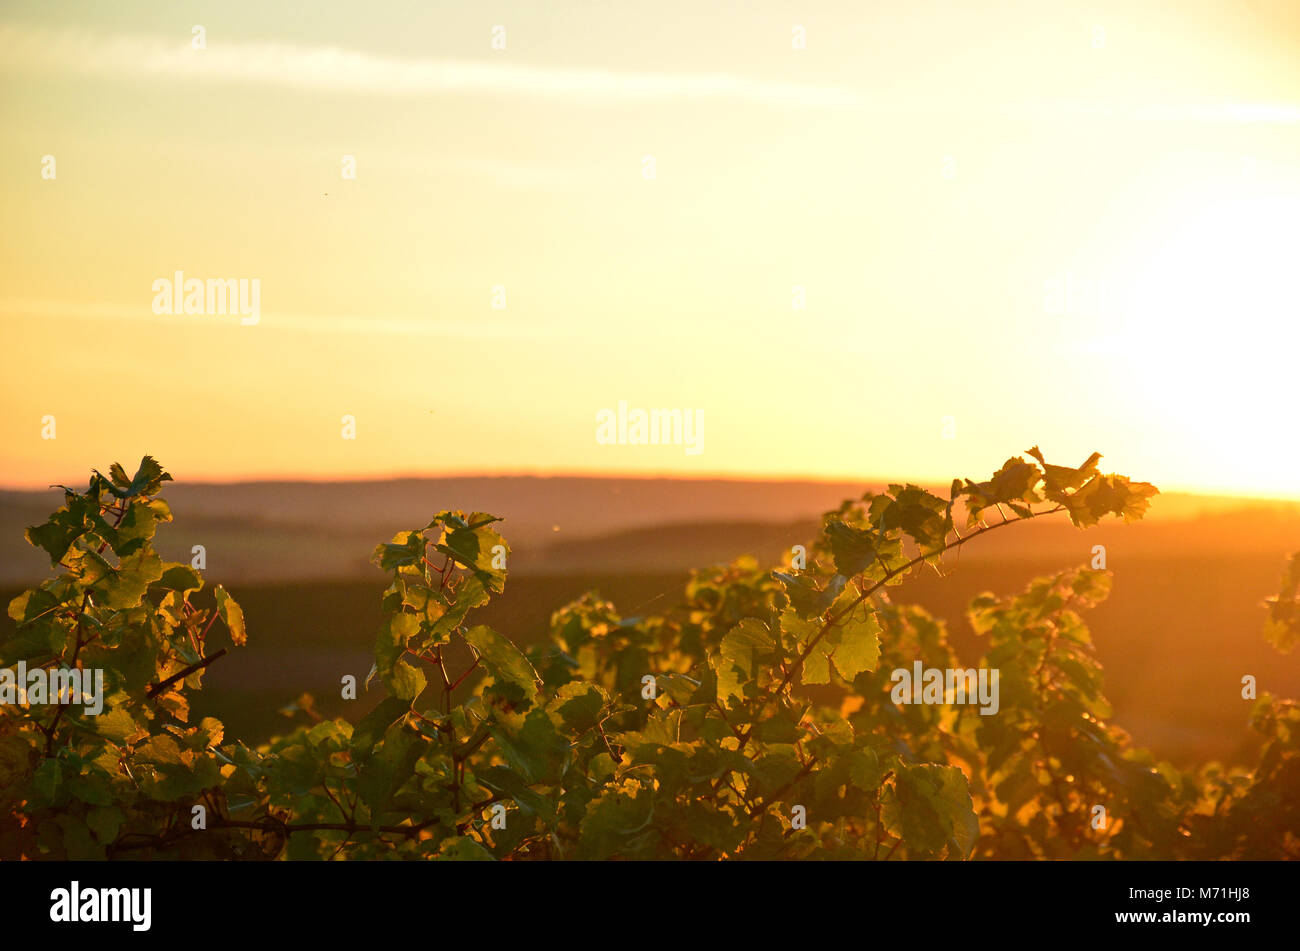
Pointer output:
361, 325
334, 68
1218, 112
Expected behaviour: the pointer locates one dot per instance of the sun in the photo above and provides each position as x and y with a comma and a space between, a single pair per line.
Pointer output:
1210, 324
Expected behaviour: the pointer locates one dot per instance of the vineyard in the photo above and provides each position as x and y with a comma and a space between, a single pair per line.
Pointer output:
689, 734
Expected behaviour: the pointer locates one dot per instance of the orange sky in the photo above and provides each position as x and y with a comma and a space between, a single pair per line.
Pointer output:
1008, 224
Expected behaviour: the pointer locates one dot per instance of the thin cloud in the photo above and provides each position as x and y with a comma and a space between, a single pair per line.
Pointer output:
333, 68
404, 326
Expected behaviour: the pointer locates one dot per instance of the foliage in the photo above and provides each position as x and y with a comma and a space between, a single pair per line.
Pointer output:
692, 734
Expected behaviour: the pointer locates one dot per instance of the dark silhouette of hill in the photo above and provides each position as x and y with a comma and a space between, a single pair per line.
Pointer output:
298, 530
275, 531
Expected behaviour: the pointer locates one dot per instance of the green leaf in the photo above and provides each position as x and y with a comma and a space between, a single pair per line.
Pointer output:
178, 577
104, 821
503, 660
474, 545
161, 750
808, 598
119, 726
936, 809
619, 819
852, 548
914, 511
856, 642
737, 659
31, 604
579, 705
148, 479
399, 676
1282, 629
385, 771
865, 770
1058, 480
799, 631
372, 727
64, 527
232, 614
852, 643
138, 525
1016, 481
406, 548
1109, 495
505, 781
470, 594
47, 780
531, 745
125, 586
463, 849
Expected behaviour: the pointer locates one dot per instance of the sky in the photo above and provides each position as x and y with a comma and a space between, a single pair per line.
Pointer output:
848, 240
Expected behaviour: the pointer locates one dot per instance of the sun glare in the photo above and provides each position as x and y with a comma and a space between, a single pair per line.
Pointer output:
1210, 328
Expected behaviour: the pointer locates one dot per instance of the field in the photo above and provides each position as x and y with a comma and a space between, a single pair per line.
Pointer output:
1176, 636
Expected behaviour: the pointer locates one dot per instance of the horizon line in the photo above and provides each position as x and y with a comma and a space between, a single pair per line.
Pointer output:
642, 476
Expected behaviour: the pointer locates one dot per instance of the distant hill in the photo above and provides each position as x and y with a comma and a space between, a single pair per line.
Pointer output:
1181, 628
280, 531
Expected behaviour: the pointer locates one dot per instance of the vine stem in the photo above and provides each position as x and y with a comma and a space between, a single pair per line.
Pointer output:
272, 824
76, 650
868, 592
155, 689
763, 804
266, 825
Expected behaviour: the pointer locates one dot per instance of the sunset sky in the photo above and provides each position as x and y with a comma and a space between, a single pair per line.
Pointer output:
1076, 225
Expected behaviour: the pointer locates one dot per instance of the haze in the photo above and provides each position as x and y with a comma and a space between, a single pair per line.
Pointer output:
1016, 223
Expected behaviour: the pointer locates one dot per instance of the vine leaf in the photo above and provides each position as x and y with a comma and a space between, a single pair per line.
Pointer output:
738, 658
1282, 629
506, 663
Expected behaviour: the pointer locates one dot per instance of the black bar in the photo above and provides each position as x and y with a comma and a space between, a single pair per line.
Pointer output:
651, 901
